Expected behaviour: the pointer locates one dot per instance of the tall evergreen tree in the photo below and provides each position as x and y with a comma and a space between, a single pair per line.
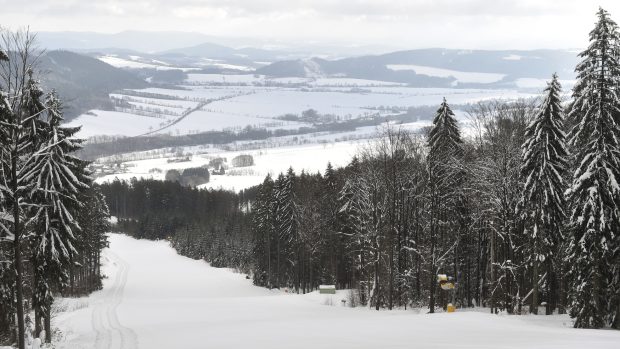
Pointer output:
7, 274
59, 182
542, 199
287, 222
445, 175
595, 192
19, 129
264, 232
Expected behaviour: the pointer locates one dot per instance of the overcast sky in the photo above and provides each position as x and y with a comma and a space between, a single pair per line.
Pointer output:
471, 24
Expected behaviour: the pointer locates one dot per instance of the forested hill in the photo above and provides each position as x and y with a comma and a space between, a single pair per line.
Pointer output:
83, 82
404, 66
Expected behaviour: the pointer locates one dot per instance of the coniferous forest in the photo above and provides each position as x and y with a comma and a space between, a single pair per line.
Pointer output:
523, 215
52, 220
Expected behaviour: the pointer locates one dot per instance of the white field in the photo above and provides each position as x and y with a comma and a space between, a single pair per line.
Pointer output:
114, 123
207, 120
463, 77
245, 100
309, 152
224, 79
156, 299
136, 63
533, 83
310, 158
275, 102
176, 103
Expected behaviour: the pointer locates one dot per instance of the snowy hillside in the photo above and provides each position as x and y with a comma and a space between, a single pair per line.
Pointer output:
156, 299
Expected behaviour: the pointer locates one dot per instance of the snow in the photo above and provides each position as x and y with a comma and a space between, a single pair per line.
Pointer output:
201, 121
133, 64
463, 77
532, 83
156, 299
311, 158
243, 104
113, 123
228, 66
353, 82
224, 78
155, 102
512, 57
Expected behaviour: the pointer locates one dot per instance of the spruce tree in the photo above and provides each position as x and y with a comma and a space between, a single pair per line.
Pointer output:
444, 178
542, 198
58, 182
356, 212
7, 274
20, 128
595, 194
287, 220
264, 232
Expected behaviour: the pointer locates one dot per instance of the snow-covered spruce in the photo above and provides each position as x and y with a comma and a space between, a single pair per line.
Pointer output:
594, 194
542, 204
445, 178
42, 187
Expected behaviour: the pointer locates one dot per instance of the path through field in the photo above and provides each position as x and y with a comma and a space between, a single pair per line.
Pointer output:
156, 299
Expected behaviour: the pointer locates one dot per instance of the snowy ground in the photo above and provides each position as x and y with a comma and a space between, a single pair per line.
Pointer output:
310, 152
238, 103
309, 157
154, 298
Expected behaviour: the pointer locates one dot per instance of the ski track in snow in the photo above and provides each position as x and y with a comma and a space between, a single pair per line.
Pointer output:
174, 302
111, 334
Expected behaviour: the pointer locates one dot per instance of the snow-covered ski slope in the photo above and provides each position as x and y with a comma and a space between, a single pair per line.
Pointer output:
156, 299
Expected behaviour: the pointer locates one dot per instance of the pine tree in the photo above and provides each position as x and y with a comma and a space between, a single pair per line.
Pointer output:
595, 193
19, 128
287, 222
356, 210
542, 199
7, 274
264, 232
93, 220
445, 175
329, 223
59, 181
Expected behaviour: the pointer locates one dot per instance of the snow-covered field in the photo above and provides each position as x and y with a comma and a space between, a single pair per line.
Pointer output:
233, 102
156, 299
463, 77
136, 62
310, 158
216, 102
309, 152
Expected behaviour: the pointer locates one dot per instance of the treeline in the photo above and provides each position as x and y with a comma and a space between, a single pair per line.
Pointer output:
52, 221
189, 177
211, 225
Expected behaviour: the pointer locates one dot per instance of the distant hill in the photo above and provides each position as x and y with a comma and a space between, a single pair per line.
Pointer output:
84, 82
161, 41
130, 40
413, 67
242, 55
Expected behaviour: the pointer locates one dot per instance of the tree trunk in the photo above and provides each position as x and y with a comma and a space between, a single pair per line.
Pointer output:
535, 279
48, 325
19, 292
37, 323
